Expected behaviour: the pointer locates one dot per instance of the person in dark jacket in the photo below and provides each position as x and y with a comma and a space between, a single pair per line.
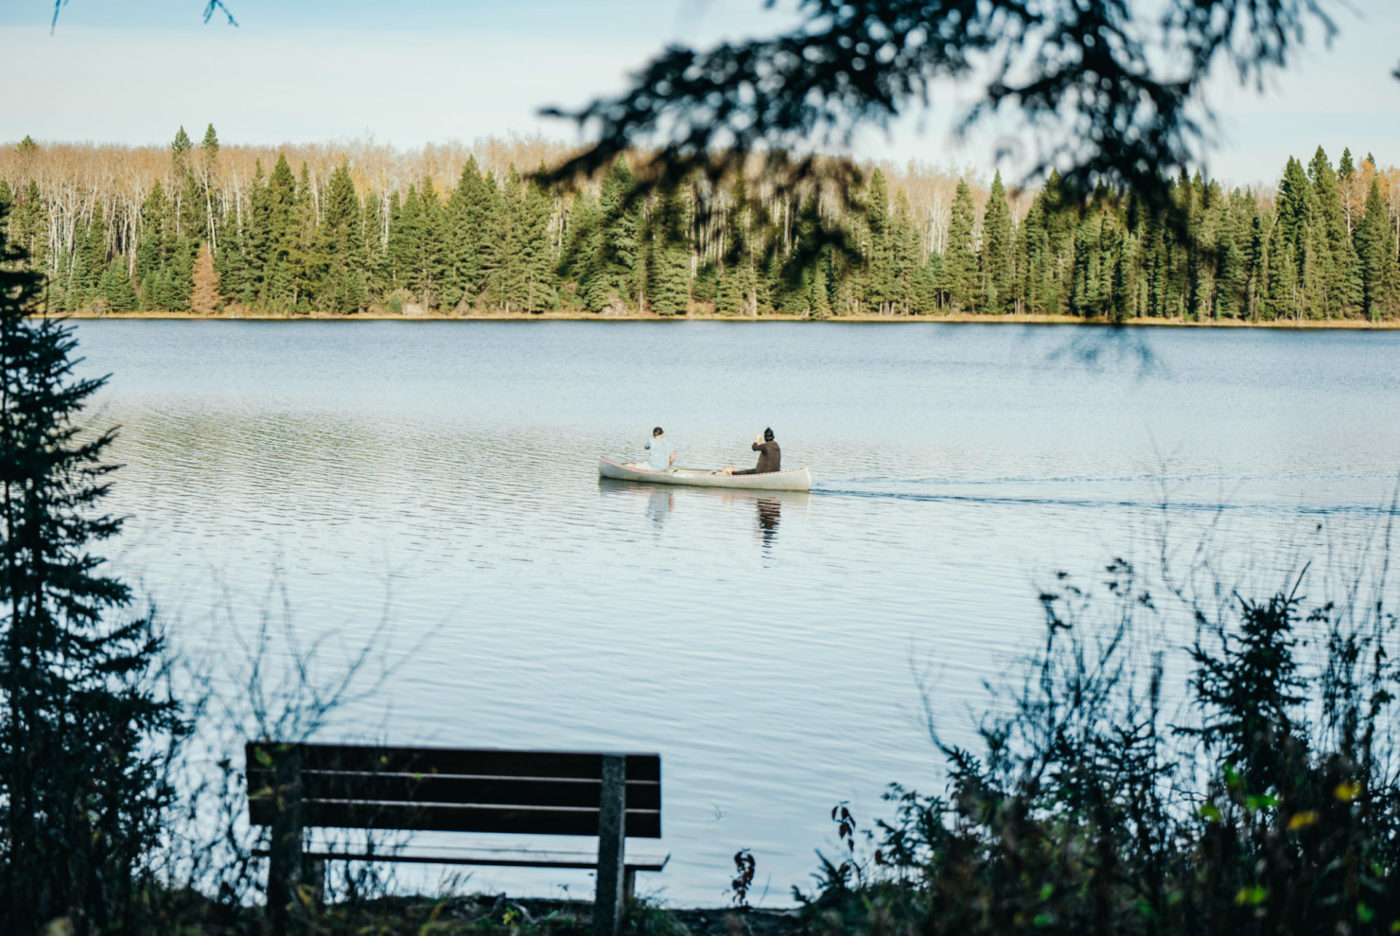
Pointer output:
770, 457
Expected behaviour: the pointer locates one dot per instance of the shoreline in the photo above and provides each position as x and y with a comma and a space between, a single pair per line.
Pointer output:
960, 319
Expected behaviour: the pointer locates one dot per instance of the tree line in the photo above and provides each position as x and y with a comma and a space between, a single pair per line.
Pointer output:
197, 230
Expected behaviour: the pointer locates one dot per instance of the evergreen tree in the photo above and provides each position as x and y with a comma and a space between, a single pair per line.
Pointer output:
117, 290
468, 214
209, 165
280, 242
906, 260
669, 284
1339, 269
342, 287
1033, 249
1375, 245
579, 261
996, 251
729, 299
960, 257
1346, 179
31, 226
373, 254
186, 189
504, 263
304, 260
538, 255
177, 278
879, 282
1257, 268
90, 265
82, 787
619, 268
1086, 290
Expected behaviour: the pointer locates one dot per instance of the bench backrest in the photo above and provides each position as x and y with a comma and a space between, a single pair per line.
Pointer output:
447, 789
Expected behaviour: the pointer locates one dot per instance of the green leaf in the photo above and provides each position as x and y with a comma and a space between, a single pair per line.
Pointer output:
1252, 896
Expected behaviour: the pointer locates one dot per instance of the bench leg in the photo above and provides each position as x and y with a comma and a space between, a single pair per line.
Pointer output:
612, 834
314, 878
285, 867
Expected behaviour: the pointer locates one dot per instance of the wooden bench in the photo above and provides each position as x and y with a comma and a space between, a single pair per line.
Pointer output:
294, 787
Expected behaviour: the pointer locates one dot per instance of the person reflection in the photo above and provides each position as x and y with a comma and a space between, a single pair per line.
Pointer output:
659, 505
769, 511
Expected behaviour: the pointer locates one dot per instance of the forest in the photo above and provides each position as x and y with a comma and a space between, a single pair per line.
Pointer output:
349, 228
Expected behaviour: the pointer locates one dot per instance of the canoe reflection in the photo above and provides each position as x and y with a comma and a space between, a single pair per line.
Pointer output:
767, 506
659, 504
770, 509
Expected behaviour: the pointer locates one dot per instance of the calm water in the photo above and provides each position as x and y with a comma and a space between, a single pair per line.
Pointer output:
440, 479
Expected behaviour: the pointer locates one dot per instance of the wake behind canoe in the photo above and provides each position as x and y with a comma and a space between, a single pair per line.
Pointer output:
798, 479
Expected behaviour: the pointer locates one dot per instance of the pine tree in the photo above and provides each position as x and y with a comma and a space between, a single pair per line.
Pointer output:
177, 279
819, 289
80, 777
740, 253
372, 249
905, 259
1375, 245
669, 284
341, 287
90, 264
117, 290
579, 262
31, 225
960, 257
1086, 292
208, 181
996, 251
278, 290
504, 263
879, 282
1346, 179
1033, 263
1257, 266
303, 258
189, 195
729, 300
468, 214
1340, 272
1230, 260
539, 255
619, 273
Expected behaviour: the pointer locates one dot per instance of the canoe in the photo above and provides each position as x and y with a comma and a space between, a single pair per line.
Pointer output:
798, 479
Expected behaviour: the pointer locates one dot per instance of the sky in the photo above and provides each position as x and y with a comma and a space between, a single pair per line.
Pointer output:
411, 73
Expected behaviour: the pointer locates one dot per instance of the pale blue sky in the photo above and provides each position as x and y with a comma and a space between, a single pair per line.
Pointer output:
412, 73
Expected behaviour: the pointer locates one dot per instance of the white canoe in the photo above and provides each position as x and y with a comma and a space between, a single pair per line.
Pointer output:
798, 479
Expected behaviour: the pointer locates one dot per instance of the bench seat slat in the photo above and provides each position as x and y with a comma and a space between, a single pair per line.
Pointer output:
582, 861
441, 817
474, 761
437, 788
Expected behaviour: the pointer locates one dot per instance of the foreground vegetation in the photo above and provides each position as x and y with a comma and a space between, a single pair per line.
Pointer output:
205, 228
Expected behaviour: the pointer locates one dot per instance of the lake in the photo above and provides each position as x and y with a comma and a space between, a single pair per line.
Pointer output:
431, 489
